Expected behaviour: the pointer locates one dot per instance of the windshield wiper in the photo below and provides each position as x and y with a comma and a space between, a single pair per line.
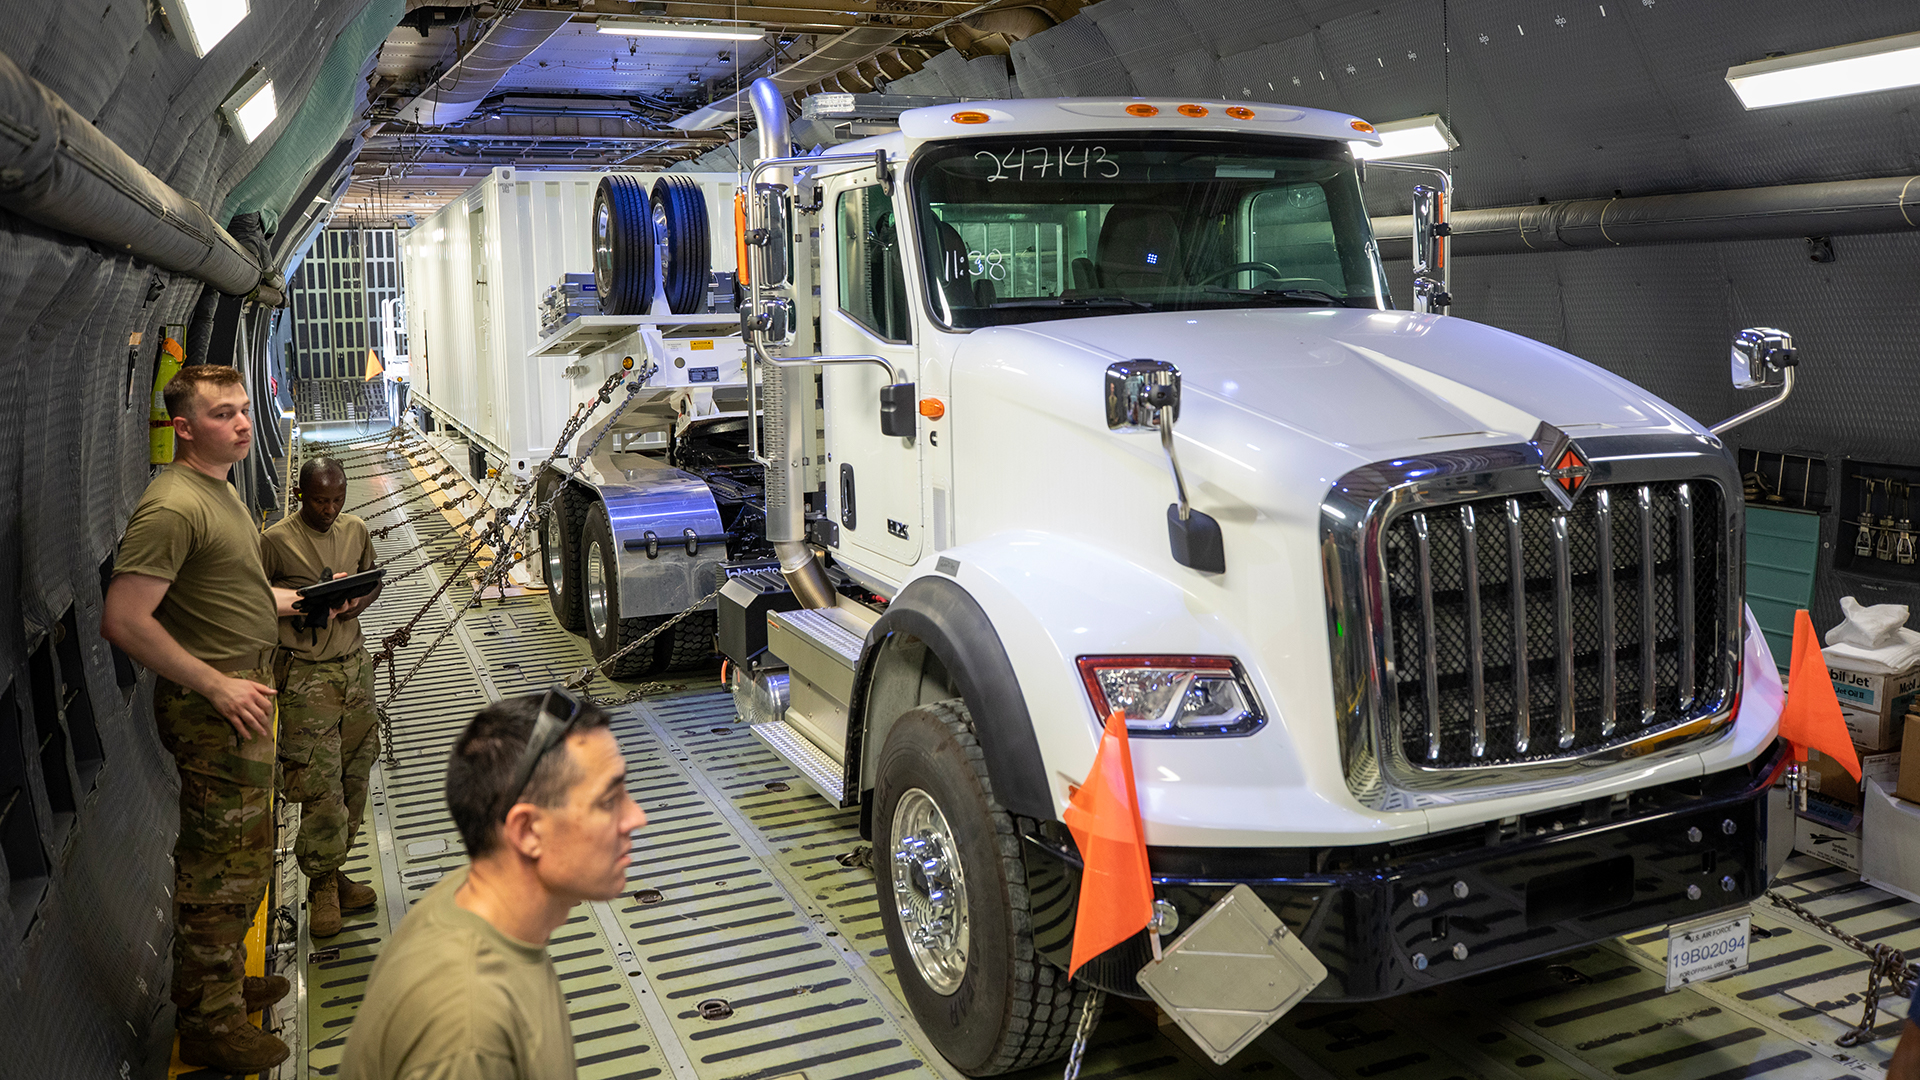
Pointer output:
1075, 301
1306, 296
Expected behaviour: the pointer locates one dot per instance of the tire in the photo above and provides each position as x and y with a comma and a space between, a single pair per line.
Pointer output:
560, 555
679, 211
607, 631
692, 641
622, 246
986, 999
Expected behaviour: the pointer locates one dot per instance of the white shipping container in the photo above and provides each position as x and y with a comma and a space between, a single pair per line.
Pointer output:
476, 270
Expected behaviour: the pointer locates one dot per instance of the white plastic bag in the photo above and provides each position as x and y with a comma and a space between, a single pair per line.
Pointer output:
1868, 627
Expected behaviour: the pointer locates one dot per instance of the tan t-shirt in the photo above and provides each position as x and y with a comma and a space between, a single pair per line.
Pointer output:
452, 998
294, 554
194, 531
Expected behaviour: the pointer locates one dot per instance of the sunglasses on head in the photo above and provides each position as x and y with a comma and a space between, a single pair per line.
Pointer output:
558, 711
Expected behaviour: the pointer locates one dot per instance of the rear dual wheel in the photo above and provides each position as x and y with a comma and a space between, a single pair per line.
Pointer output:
560, 551
609, 630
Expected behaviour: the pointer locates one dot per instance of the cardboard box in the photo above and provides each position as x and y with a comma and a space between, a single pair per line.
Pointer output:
1872, 731
1890, 845
1830, 813
1908, 786
1828, 777
1828, 845
1883, 696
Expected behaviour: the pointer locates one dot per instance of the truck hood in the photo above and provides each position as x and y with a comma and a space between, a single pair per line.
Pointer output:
1374, 382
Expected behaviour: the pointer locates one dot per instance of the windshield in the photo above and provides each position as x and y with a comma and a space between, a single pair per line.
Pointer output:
1037, 228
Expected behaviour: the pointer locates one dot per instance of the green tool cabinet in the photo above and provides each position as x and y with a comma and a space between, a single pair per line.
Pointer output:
1783, 547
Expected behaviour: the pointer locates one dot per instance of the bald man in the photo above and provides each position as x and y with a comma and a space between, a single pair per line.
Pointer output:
329, 732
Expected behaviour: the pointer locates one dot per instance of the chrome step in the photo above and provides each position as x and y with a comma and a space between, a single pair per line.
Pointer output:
812, 763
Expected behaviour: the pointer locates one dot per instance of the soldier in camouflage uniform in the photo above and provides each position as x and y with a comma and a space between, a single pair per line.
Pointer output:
190, 601
329, 730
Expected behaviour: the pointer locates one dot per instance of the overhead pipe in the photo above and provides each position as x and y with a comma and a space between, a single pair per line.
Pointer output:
456, 94
58, 170
783, 391
1887, 204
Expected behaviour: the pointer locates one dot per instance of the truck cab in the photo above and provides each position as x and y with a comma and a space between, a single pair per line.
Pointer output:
1428, 638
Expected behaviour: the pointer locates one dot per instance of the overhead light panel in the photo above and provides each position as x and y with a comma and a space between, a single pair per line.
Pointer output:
1861, 68
251, 109
210, 20
696, 31
1408, 138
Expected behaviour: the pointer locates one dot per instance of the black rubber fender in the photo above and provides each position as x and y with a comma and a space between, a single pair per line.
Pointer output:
954, 626
679, 211
622, 245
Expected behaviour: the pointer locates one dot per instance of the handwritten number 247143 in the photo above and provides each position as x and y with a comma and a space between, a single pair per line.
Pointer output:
1059, 161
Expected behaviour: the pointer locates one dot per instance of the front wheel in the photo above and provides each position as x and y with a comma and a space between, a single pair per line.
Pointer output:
953, 901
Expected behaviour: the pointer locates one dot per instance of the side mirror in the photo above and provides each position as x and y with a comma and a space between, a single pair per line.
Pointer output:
1761, 357
1137, 390
1144, 396
772, 238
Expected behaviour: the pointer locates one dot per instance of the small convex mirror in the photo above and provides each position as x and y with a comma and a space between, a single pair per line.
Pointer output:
1136, 390
1761, 357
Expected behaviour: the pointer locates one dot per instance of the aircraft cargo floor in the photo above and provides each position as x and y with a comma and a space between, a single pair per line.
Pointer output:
749, 944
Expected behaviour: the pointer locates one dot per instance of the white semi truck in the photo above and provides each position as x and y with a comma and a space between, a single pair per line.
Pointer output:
1429, 638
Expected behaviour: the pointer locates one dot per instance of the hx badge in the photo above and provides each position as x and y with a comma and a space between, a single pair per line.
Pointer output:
1563, 465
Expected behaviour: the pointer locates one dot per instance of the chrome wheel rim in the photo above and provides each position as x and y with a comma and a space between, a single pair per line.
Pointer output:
661, 238
602, 237
550, 540
596, 591
929, 891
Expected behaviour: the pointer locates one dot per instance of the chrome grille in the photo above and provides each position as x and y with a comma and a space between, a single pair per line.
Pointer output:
1520, 633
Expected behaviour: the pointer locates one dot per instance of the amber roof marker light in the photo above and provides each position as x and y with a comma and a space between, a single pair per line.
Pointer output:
1142, 110
971, 117
1360, 125
1239, 112
1195, 111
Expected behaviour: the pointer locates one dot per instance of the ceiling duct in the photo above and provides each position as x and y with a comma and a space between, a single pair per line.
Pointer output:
459, 91
836, 55
1834, 208
58, 170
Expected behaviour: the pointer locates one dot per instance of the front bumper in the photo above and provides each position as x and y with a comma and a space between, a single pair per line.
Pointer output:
1391, 919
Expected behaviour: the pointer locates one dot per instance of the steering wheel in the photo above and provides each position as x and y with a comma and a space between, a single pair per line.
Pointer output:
1268, 269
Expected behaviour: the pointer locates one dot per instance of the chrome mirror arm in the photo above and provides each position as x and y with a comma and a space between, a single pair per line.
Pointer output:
1166, 443
1731, 422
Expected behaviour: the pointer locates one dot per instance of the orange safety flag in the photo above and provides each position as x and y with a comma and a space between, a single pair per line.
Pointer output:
1812, 718
1116, 893
374, 367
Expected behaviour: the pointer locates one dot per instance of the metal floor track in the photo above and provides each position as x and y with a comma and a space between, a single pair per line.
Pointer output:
749, 944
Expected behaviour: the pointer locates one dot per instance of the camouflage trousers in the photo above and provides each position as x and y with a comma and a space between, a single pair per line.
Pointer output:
329, 735
223, 858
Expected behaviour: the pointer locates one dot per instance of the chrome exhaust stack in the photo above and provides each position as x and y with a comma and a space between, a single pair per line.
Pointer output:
783, 388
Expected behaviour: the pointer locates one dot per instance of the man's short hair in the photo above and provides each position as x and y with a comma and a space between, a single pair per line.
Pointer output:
183, 391
317, 470
481, 768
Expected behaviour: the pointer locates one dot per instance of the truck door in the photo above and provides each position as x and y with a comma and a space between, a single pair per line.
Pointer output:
873, 480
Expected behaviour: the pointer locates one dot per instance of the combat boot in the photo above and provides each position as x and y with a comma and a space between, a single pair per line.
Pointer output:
265, 993
353, 895
242, 1050
323, 907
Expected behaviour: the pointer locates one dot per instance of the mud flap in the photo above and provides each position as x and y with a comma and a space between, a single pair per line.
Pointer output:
1232, 974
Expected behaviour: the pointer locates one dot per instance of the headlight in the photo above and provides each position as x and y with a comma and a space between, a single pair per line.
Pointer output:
1173, 695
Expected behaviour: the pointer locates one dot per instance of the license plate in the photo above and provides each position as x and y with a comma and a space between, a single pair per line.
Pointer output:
1707, 948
